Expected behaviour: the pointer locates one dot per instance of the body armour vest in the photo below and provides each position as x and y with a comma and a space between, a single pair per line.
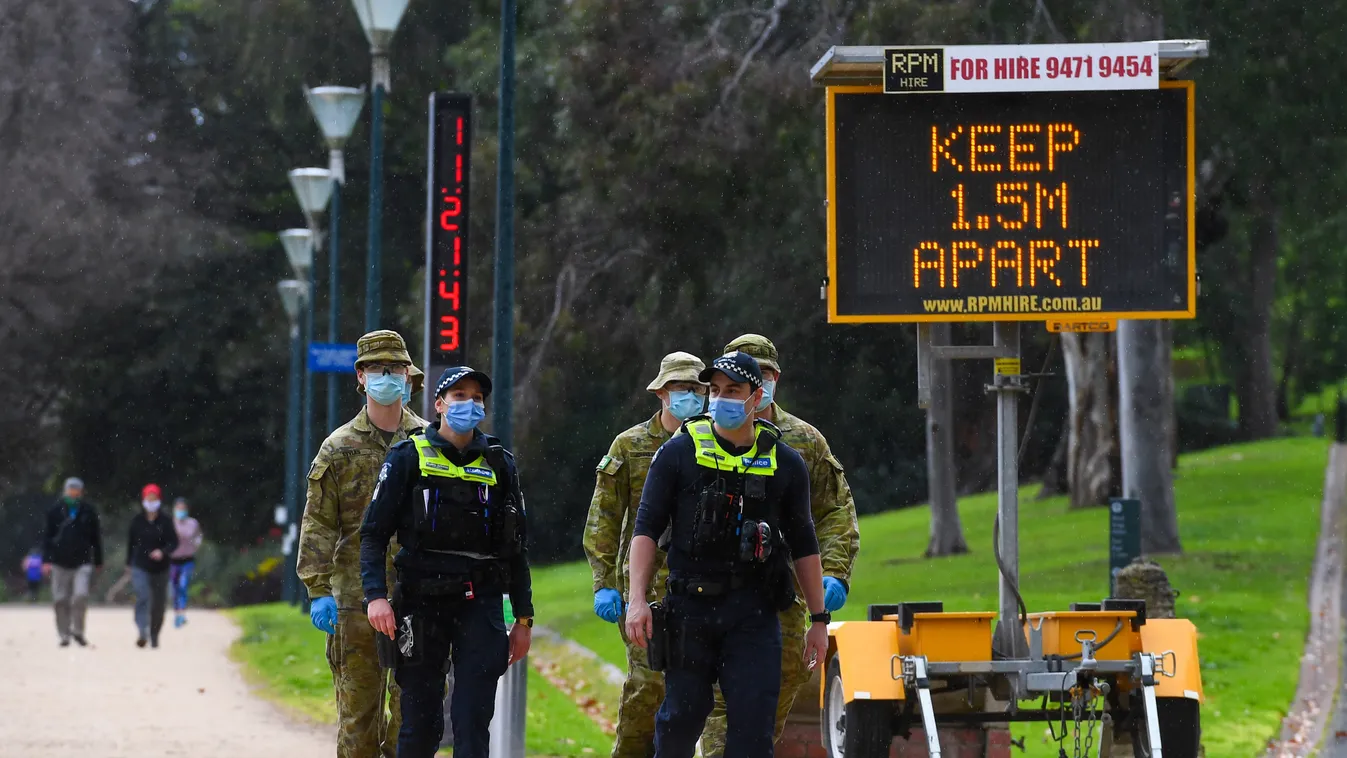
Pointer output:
463, 509
730, 517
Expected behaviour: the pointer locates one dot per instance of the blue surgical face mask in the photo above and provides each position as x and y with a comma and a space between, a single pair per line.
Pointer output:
385, 389
768, 394
464, 415
685, 404
179, 514
728, 413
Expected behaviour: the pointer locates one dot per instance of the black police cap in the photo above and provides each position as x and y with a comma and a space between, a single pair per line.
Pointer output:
452, 376
739, 366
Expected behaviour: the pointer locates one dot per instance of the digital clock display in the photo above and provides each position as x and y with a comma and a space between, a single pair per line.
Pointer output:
1010, 206
447, 238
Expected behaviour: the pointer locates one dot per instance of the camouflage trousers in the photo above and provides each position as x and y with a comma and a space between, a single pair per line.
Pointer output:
794, 677
364, 729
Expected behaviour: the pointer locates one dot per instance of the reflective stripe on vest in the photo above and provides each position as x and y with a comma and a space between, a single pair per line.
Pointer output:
711, 455
433, 463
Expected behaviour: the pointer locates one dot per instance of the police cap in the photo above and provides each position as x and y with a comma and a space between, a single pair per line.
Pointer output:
739, 366
452, 376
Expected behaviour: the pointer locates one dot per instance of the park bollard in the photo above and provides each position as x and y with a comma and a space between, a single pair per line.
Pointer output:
1340, 430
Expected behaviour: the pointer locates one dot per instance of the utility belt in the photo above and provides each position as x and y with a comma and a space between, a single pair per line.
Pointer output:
488, 576
689, 585
412, 593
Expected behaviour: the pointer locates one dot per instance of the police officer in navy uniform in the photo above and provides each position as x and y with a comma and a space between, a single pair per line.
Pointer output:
452, 496
734, 501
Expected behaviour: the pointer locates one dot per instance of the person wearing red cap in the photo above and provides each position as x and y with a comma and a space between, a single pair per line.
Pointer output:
151, 541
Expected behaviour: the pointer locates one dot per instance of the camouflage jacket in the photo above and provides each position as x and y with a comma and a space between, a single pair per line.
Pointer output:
612, 510
830, 499
341, 481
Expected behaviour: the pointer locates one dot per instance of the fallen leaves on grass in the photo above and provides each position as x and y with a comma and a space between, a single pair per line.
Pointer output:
555, 674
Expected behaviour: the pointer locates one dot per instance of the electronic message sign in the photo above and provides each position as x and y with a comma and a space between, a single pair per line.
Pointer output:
447, 190
992, 204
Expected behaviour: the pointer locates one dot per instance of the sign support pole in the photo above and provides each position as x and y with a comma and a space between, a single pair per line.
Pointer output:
1007, 385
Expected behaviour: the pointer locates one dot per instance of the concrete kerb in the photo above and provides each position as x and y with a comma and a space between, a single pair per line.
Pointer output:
1306, 722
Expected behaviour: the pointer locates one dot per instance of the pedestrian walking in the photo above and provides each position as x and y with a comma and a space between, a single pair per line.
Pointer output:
183, 558
32, 572
151, 540
72, 549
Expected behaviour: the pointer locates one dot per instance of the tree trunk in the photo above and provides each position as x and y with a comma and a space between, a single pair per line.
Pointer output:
946, 530
1142, 411
1091, 447
1258, 390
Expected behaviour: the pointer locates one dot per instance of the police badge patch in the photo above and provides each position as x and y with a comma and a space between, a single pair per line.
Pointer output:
383, 474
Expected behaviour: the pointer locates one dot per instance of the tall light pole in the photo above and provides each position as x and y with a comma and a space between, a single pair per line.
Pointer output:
380, 19
293, 294
313, 188
336, 110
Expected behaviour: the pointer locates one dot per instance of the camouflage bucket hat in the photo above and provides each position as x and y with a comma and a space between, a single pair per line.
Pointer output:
418, 378
757, 346
381, 345
677, 367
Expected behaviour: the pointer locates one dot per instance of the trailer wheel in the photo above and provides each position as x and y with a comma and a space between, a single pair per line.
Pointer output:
1180, 729
859, 729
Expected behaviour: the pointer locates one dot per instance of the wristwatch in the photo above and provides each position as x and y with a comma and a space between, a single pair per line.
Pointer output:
821, 618
528, 622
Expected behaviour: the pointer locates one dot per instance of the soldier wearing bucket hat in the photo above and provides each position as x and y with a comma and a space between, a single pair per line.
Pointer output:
612, 516
452, 496
834, 513
340, 483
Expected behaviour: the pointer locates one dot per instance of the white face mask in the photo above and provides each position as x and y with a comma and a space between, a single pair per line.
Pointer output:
151, 506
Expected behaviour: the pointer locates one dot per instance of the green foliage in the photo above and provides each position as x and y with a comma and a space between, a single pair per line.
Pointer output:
1249, 519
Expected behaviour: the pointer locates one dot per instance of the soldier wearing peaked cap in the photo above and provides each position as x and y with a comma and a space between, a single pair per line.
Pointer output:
340, 483
734, 500
451, 494
834, 514
608, 530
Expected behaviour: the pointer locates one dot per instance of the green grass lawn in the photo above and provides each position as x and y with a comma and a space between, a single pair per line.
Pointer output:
1248, 517
281, 651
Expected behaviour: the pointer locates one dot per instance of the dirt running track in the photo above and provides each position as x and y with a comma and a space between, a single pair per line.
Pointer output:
114, 700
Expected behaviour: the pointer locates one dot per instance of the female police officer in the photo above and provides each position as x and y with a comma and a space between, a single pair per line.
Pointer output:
738, 502
452, 496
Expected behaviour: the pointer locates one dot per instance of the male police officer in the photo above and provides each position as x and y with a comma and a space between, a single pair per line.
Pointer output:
452, 496
340, 482
608, 530
839, 539
736, 499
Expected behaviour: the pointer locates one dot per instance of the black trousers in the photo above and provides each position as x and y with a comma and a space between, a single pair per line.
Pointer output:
472, 634
735, 640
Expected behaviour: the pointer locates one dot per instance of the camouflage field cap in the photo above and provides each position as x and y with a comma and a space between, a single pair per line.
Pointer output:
757, 346
418, 378
381, 345
677, 367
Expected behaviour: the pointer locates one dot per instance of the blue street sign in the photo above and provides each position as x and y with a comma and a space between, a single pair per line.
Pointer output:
331, 358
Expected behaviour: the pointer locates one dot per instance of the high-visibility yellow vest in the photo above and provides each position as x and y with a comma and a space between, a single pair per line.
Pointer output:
710, 454
434, 463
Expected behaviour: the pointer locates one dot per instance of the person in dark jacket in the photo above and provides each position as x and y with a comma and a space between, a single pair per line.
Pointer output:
72, 548
151, 541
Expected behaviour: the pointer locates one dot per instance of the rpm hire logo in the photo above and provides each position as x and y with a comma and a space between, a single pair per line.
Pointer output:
914, 69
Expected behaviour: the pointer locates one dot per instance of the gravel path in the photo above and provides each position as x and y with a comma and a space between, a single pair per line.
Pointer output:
113, 700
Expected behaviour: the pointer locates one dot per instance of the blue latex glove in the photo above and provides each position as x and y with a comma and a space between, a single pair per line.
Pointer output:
323, 614
834, 594
608, 605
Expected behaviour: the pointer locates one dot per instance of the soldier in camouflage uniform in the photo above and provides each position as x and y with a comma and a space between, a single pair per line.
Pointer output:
341, 481
838, 540
608, 531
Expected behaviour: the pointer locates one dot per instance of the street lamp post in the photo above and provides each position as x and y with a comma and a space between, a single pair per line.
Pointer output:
313, 188
380, 19
336, 110
293, 294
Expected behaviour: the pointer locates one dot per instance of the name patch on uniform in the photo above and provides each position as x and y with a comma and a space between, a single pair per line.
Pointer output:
757, 462
477, 471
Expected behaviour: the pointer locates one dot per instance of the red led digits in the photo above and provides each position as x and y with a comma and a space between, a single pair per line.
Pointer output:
452, 140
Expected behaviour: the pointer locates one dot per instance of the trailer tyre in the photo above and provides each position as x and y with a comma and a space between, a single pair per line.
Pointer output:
859, 729
1180, 728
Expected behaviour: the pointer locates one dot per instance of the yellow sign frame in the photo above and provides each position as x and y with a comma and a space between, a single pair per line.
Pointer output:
835, 318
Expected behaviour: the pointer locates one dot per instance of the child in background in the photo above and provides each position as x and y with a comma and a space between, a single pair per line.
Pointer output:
32, 571
183, 559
